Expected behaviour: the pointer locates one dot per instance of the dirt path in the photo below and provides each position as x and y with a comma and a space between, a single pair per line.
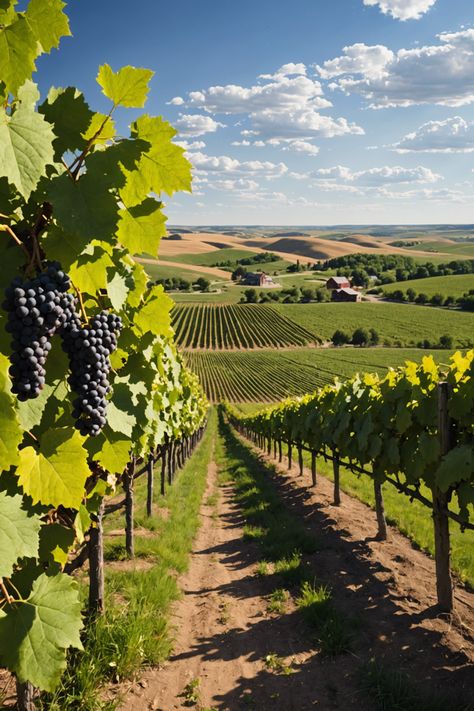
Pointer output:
224, 631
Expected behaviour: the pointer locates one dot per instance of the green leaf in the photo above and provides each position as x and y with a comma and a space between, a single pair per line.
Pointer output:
26, 148
163, 168
55, 542
35, 634
127, 87
456, 466
57, 474
141, 227
154, 316
69, 113
19, 533
101, 130
89, 272
82, 523
111, 450
18, 51
48, 22
117, 290
28, 94
84, 207
10, 431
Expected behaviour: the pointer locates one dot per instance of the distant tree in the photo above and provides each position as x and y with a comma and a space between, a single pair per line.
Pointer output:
203, 284
340, 338
308, 295
360, 337
322, 295
421, 299
360, 277
449, 301
374, 337
251, 296
446, 341
411, 295
238, 273
437, 299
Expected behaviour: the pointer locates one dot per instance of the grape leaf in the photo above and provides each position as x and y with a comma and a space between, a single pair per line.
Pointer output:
117, 290
19, 533
28, 94
89, 272
127, 87
57, 474
48, 22
84, 207
141, 227
100, 130
55, 542
154, 315
10, 432
456, 466
69, 113
162, 168
111, 450
18, 51
26, 148
34, 635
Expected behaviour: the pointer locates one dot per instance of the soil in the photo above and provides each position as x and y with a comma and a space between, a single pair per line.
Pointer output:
384, 591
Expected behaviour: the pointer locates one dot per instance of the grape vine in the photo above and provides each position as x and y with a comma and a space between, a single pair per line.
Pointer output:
90, 378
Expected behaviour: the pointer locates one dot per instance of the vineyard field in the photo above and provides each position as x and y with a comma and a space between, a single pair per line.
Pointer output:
452, 285
403, 324
268, 376
237, 326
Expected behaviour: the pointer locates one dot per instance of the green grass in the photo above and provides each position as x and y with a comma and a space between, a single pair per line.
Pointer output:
453, 285
209, 259
403, 324
271, 375
134, 630
393, 690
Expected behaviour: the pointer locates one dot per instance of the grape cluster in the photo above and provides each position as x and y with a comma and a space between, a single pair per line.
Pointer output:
89, 352
37, 308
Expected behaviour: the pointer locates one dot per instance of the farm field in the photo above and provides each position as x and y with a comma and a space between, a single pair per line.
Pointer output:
405, 324
209, 259
269, 375
161, 270
452, 285
237, 326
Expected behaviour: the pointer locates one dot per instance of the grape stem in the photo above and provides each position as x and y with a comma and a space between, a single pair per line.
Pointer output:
79, 296
6, 228
6, 594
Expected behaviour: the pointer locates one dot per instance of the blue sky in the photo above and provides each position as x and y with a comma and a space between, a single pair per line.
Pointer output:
313, 112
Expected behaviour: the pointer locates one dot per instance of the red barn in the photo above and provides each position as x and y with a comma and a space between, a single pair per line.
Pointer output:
345, 295
338, 283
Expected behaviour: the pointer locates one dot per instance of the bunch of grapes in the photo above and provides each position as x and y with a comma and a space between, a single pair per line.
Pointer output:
37, 308
89, 350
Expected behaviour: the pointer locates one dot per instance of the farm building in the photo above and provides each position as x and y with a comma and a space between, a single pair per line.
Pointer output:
347, 294
258, 279
338, 282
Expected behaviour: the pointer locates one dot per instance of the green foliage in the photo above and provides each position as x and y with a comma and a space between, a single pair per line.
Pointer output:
72, 189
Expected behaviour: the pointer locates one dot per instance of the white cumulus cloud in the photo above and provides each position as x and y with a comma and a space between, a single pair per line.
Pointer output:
374, 177
441, 73
285, 104
196, 125
233, 167
403, 9
454, 135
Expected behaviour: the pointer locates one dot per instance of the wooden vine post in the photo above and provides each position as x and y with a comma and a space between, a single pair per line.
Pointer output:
336, 471
300, 459
313, 467
163, 469
129, 508
444, 583
96, 564
290, 455
150, 482
274, 449
280, 453
25, 696
380, 511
